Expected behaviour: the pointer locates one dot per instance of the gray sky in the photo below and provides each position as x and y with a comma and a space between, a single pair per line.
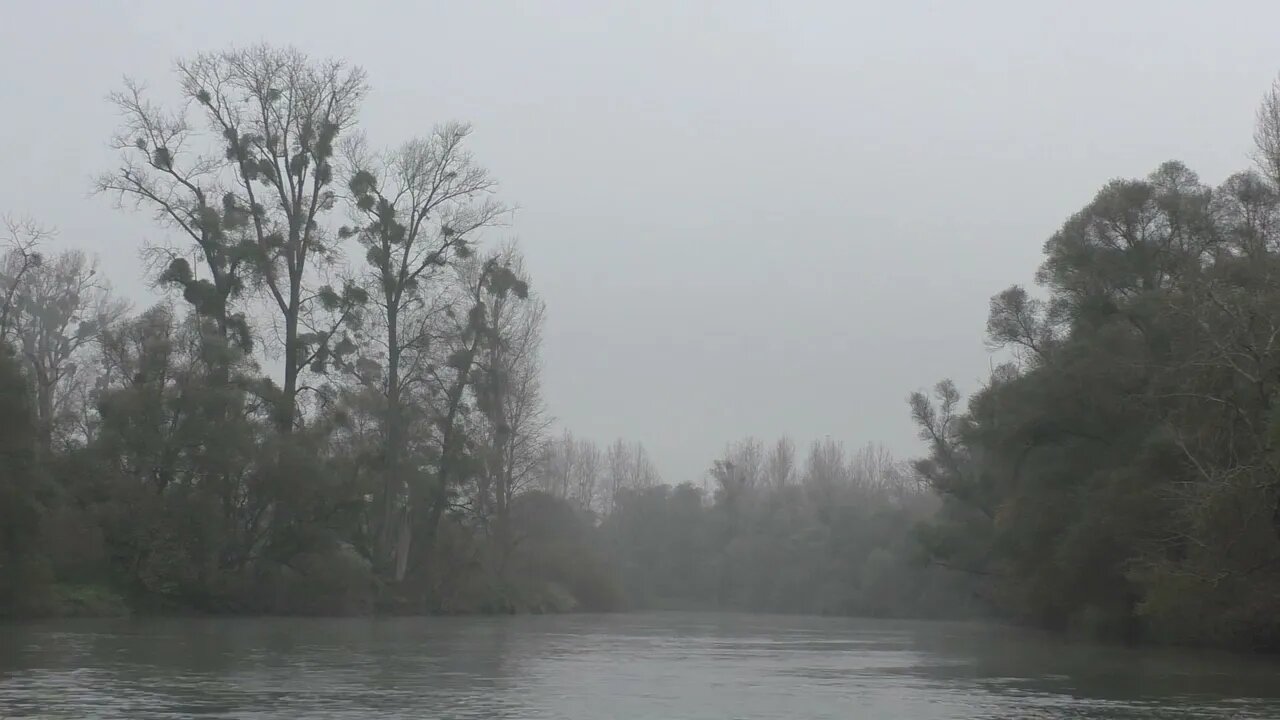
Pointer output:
745, 217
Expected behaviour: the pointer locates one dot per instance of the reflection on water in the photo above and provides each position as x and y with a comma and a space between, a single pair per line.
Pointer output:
624, 666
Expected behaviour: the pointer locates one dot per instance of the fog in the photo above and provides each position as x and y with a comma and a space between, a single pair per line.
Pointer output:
745, 218
938, 312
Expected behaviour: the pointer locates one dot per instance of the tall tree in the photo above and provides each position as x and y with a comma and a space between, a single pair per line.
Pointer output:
251, 188
456, 388
419, 208
509, 395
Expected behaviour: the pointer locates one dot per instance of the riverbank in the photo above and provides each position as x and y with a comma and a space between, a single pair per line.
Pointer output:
87, 601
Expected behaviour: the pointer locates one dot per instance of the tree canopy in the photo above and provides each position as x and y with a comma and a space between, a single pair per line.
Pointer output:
1119, 475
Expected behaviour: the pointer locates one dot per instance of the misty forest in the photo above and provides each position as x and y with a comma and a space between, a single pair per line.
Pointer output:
335, 409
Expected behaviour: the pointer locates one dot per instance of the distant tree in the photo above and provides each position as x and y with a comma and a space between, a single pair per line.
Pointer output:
585, 487
571, 468
559, 461
19, 257
780, 463
845, 544
61, 307
747, 457
627, 466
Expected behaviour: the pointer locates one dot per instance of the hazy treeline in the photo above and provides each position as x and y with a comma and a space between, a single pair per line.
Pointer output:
828, 533
338, 408
1121, 475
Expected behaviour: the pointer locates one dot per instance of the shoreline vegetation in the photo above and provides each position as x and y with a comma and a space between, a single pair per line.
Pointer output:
336, 410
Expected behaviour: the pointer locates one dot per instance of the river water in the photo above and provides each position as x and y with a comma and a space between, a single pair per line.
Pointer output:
665, 666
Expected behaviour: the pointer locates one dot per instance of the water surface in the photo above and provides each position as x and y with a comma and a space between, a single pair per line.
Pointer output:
661, 666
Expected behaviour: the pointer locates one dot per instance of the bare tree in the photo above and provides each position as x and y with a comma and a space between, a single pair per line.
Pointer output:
459, 379
627, 467
558, 466
249, 188
780, 463
1266, 135
511, 398
747, 458
585, 486
825, 467
570, 470
61, 306
21, 242
418, 208
874, 470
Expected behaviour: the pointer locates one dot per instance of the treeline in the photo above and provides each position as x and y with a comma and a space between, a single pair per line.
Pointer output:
829, 534
338, 409
768, 531
1120, 476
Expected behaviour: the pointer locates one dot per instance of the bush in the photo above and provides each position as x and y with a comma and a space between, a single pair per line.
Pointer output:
88, 601
339, 582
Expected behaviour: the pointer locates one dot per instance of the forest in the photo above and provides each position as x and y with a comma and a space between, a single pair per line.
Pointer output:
336, 407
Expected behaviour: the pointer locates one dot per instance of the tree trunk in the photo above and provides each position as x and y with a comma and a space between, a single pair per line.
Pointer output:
288, 403
403, 542
502, 519
391, 481
44, 411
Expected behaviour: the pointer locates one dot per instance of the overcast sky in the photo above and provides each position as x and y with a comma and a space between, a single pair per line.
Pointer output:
746, 218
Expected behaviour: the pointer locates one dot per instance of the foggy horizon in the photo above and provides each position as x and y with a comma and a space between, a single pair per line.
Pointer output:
745, 219
578, 359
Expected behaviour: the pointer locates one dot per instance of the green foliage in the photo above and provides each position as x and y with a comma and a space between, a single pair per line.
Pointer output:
24, 573
88, 601
1121, 479
556, 560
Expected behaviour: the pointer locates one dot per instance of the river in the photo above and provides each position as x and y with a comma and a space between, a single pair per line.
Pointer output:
664, 666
